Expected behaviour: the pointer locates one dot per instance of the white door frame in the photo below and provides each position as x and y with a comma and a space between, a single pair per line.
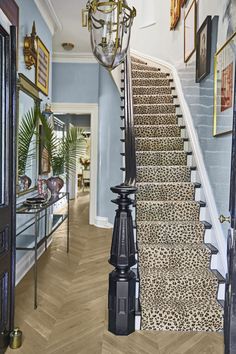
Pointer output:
92, 109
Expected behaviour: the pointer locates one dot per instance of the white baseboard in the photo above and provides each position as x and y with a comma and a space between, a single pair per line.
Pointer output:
212, 208
103, 223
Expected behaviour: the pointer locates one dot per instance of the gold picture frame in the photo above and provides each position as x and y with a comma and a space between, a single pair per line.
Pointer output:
42, 67
190, 31
175, 10
224, 74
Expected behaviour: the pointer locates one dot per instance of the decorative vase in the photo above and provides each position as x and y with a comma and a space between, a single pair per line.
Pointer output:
25, 182
55, 184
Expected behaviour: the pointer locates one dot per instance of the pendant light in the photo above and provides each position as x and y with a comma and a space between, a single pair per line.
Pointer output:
109, 23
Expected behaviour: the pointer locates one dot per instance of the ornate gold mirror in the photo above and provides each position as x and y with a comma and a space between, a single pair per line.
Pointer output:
27, 164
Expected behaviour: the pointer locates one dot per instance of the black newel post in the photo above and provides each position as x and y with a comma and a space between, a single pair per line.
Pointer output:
121, 303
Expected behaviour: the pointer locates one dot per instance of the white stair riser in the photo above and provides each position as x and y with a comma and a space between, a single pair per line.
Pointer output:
137, 323
221, 292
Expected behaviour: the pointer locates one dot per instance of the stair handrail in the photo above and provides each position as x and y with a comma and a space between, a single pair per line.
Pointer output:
130, 155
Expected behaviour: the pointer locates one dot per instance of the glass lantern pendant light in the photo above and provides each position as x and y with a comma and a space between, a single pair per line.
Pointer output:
109, 23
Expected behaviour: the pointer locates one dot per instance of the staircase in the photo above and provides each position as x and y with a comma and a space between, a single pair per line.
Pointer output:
178, 290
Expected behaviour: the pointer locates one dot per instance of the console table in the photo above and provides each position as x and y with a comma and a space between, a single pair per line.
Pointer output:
43, 215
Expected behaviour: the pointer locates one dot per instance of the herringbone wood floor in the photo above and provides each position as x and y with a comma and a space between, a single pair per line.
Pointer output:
72, 314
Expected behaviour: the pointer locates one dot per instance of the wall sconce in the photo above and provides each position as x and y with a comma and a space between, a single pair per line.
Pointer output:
30, 48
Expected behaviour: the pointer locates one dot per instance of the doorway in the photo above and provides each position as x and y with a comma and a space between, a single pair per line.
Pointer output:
79, 181
85, 110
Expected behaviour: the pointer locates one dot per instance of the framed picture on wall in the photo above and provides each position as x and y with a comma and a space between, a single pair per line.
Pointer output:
203, 50
174, 13
224, 73
44, 164
190, 29
42, 67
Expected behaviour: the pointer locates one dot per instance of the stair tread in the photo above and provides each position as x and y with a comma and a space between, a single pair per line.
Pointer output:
147, 79
191, 222
157, 130
183, 304
155, 115
155, 104
143, 65
162, 139
170, 173
196, 315
137, 60
174, 184
175, 246
148, 86
166, 152
153, 273
192, 202
166, 168
137, 70
150, 126
153, 95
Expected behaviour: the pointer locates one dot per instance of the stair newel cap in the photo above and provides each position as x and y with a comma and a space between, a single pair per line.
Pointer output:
124, 191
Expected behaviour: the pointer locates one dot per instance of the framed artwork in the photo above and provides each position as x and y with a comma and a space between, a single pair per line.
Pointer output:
203, 50
42, 67
224, 73
190, 29
44, 164
174, 13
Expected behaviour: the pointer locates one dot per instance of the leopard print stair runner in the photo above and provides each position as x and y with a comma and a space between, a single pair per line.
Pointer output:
178, 292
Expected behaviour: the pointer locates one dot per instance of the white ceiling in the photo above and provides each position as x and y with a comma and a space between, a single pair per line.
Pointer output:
69, 29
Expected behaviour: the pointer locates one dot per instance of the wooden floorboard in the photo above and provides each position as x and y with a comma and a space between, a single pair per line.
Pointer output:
72, 314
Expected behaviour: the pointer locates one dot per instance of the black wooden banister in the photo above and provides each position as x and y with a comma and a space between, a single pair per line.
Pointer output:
122, 280
130, 156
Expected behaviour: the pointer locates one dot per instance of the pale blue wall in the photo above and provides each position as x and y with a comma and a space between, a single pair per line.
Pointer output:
216, 150
29, 13
91, 83
75, 83
110, 147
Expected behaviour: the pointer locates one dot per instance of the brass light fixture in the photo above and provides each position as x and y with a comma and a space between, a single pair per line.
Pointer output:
68, 46
109, 23
30, 48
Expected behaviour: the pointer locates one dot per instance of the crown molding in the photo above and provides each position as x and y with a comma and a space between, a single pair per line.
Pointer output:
49, 15
61, 57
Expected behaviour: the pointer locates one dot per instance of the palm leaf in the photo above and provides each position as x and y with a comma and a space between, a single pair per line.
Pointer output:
63, 153
27, 129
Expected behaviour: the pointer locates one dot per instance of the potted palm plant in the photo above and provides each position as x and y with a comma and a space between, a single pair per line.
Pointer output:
62, 153
27, 129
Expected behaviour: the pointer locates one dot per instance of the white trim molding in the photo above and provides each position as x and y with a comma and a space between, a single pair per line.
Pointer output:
49, 15
4, 21
103, 223
218, 232
62, 57
92, 109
